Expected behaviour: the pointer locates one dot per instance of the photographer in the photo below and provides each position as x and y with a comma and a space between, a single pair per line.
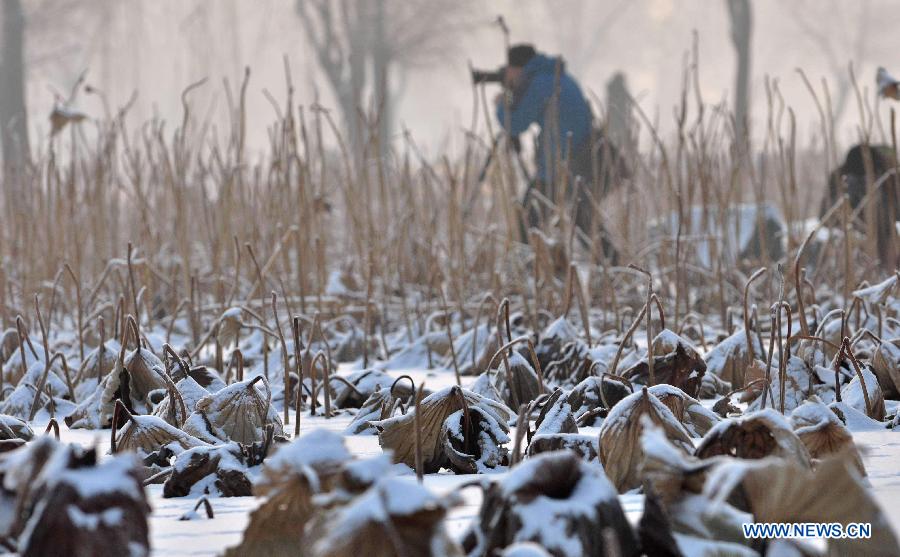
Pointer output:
537, 90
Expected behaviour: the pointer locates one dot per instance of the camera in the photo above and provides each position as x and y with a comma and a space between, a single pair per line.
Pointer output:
482, 76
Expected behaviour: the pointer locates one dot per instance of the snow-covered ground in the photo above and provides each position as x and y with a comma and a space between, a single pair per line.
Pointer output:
172, 537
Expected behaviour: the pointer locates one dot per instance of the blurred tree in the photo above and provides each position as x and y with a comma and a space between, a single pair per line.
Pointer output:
741, 17
13, 115
364, 48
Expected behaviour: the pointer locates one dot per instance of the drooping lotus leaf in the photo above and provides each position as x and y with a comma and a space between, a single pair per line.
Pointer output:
181, 402
239, 412
730, 358
886, 366
682, 367
314, 464
398, 433
14, 428
852, 394
474, 441
219, 470
393, 517
695, 417
147, 434
782, 490
555, 416
823, 433
145, 372
525, 383
620, 436
97, 510
365, 382
754, 436
556, 500
379, 406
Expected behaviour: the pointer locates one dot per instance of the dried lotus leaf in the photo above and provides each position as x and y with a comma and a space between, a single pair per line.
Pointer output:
678, 367
474, 441
398, 433
886, 366
779, 490
315, 463
147, 434
557, 501
620, 437
379, 406
555, 415
393, 517
754, 436
145, 372
239, 412
823, 433
203, 468
695, 417
526, 385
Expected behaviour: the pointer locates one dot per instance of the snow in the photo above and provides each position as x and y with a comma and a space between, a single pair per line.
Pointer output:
91, 521
319, 447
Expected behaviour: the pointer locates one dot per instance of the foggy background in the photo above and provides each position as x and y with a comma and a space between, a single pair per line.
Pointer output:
157, 48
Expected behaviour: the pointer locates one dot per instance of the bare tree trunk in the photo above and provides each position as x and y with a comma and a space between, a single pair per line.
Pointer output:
13, 116
741, 30
381, 77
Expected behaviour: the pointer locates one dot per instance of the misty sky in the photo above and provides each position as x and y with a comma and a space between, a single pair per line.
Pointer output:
159, 47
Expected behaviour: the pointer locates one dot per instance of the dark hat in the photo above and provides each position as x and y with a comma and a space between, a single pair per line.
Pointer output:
520, 54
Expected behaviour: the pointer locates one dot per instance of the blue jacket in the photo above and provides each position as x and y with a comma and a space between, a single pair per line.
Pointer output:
532, 104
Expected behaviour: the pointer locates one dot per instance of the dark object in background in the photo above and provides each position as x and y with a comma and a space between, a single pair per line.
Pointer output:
487, 76
850, 177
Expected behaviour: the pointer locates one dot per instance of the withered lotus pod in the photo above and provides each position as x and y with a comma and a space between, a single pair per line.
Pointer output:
398, 433
393, 517
220, 470
781, 490
239, 412
556, 500
695, 417
379, 406
90, 509
145, 372
620, 436
886, 366
754, 436
146, 434
315, 463
474, 441
729, 359
679, 368
823, 433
